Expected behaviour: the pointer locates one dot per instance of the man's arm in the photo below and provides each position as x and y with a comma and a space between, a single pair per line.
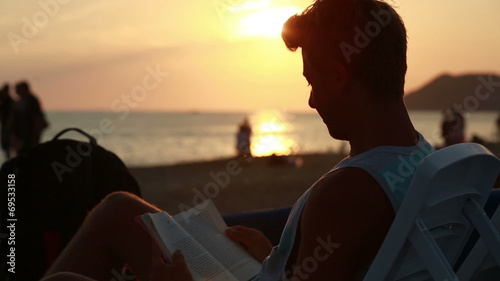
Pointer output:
342, 226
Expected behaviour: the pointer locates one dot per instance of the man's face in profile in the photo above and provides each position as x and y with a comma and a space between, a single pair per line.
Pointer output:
324, 97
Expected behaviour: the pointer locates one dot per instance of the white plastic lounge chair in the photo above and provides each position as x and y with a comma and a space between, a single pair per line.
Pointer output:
483, 262
436, 217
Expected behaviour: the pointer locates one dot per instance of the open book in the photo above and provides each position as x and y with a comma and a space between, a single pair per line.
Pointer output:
199, 234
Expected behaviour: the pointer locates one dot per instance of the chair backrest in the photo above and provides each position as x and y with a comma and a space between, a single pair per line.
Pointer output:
431, 227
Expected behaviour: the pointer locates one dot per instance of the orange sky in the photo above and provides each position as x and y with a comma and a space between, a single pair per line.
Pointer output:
98, 55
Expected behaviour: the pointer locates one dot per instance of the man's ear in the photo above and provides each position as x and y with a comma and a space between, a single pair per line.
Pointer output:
340, 76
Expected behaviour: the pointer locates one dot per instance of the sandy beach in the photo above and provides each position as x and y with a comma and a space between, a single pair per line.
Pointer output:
234, 185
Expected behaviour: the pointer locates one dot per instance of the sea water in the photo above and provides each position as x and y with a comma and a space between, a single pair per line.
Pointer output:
158, 138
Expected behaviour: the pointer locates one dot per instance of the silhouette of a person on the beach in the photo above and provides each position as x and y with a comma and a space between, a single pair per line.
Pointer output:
28, 119
6, 103
453, 127
243, 139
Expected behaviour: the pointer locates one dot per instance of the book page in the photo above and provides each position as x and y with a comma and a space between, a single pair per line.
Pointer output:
206, 225
171, 237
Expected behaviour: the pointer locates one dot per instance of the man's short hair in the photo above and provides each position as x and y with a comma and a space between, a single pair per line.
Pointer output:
367, 36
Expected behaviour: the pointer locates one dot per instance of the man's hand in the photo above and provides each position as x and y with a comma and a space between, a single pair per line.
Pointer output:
254, 241
175, 271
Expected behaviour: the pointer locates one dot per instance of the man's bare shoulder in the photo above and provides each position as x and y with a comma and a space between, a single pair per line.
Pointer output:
351, 192
347, 181
349, 206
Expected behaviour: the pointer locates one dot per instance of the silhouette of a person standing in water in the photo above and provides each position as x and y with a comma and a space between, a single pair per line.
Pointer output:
243, 139
453, 127
6, 103
29, 119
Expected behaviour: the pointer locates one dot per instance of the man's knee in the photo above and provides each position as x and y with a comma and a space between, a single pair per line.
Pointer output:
115, 213
120, 204
121, 198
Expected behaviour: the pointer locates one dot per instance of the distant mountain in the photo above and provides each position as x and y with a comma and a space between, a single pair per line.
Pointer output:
473, 92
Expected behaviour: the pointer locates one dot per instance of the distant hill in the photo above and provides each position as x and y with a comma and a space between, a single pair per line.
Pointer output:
446, 90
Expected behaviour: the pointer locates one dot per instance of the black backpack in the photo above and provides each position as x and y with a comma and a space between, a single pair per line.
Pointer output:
54, 186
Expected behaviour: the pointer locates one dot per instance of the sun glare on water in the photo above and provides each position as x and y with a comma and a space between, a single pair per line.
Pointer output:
271, 135
262, 18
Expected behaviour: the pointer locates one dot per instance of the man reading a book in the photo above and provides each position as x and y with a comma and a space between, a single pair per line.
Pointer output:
354, 58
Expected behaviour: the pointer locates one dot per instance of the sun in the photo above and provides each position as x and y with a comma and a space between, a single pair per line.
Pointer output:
267, 23
261, 18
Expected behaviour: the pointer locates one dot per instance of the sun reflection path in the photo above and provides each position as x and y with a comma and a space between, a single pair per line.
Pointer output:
272, 135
